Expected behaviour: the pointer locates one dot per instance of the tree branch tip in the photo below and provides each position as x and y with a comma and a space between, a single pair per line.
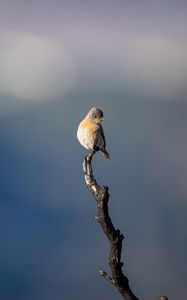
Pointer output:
106, 276
102, 273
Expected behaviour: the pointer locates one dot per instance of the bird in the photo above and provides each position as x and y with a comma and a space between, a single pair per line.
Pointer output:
90, 132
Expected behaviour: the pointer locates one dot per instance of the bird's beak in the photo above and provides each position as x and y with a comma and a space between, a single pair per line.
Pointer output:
102, 119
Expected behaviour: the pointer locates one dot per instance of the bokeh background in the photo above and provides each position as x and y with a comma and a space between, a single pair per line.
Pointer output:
57, 60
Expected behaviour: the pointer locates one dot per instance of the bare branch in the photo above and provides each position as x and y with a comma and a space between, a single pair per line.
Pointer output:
101, 194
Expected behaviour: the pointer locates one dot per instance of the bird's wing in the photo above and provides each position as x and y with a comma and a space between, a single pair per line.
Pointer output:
103, 136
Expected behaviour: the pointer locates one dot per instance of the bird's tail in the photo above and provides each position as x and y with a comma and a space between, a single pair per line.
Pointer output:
105, 153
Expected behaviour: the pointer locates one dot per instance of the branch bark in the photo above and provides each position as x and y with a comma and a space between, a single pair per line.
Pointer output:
101, 194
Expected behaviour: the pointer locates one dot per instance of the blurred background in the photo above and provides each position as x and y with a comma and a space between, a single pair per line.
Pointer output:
57, 60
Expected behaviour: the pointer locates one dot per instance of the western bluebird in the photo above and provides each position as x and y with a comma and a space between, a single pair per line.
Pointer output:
90, 132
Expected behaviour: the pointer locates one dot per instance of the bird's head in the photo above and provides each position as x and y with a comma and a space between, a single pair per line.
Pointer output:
96, 115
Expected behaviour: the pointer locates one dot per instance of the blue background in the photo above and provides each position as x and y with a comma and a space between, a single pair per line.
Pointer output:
129, 59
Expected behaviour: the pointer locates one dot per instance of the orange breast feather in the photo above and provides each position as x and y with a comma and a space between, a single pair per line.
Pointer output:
88, 126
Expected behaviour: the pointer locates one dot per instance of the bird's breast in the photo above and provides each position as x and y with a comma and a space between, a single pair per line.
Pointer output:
87, 133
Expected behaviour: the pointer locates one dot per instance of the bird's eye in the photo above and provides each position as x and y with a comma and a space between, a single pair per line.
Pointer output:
95, 117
